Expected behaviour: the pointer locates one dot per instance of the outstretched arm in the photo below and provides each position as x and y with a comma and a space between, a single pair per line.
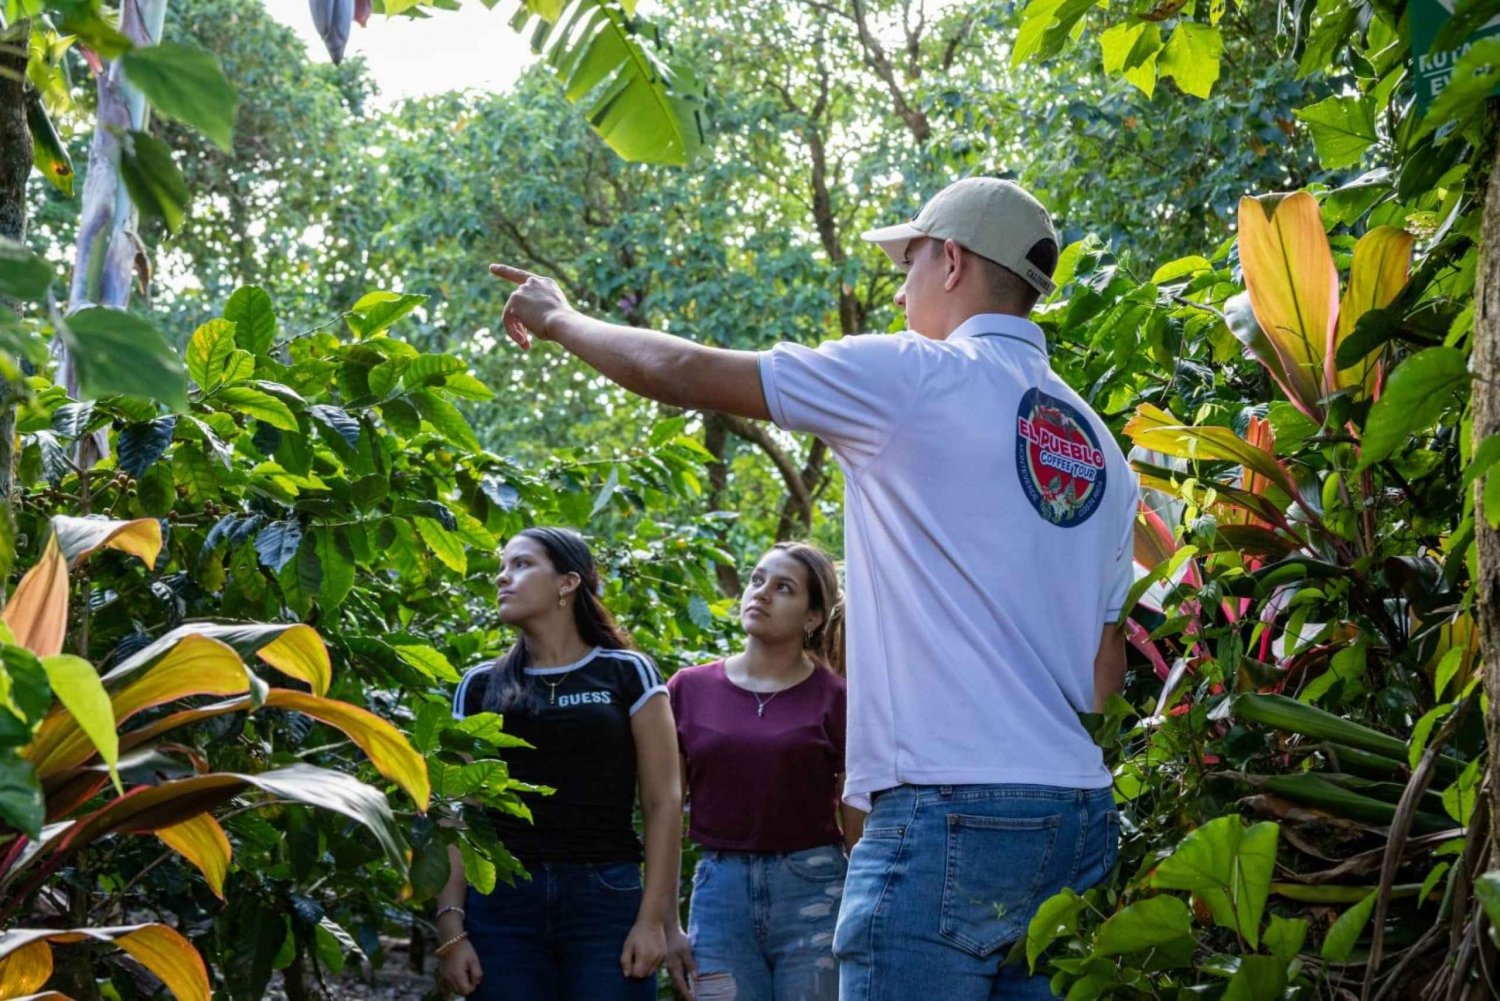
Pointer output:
671, 370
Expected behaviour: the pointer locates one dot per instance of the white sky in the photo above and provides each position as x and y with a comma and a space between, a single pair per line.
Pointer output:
452, 50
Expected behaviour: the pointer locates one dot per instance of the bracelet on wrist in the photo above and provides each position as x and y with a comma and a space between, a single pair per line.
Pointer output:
446, 947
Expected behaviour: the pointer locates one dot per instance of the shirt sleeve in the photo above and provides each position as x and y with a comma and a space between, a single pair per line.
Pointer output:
641, 681
461, 694
674, 696
1122, 572
851, 392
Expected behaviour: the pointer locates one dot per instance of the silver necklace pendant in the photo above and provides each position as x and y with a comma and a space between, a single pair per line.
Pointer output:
760, 709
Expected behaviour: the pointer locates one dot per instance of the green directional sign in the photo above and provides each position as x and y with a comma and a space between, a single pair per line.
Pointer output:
1432, 71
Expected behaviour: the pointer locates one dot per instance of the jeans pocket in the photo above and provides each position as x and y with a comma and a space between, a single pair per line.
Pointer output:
996, 868
820, 865
701, 871
624, 877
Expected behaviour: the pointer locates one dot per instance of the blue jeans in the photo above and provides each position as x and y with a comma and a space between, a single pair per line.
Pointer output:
945, 878
559, 935
762, 925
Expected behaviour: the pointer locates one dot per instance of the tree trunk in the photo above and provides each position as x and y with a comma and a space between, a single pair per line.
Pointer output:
1485, 364
716, 440
105, 261
15, 167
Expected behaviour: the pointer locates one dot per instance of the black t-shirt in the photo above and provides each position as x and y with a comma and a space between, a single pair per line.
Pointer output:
581, 746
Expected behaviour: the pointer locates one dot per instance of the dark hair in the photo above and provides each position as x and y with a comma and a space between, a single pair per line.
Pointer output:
1010, 287
509, 688
827, 641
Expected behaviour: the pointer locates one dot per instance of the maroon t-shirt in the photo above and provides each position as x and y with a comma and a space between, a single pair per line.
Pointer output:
760, 783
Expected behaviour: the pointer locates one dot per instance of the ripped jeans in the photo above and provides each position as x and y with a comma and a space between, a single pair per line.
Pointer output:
762, 925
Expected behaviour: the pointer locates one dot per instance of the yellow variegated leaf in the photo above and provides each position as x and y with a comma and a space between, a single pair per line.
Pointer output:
1382, 264
1293, 288
26, 969
196, 665
38, 610
202, 842
78, 537
172, 958
300, 652
387, 747
158, 948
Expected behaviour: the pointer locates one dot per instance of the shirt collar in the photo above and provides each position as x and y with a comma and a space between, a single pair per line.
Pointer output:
1004, 325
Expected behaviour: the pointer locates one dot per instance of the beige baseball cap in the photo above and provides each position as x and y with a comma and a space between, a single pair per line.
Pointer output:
996, 219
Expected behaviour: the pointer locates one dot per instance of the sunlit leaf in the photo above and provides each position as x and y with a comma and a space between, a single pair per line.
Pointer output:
202, 842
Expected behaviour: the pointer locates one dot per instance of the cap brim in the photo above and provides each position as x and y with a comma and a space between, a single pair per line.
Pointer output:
893, 239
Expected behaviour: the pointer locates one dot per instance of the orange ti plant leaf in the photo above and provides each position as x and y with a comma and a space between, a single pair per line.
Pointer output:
158, 948
1381, 267
37, 612
1293, 288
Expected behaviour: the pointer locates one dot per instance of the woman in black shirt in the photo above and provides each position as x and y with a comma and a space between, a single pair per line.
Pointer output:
584, 926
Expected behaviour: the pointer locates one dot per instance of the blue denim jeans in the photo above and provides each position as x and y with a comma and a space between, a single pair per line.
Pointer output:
945, 878
762, 925
559, 935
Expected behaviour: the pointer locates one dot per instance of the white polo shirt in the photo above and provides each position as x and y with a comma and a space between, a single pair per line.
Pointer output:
988, 526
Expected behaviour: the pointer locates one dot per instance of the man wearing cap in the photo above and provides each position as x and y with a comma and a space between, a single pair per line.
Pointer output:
989, 517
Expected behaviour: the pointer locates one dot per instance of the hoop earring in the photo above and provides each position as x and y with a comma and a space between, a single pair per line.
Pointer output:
562, 601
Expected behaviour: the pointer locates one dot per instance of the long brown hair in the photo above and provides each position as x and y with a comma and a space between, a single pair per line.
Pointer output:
825, 643
510, 688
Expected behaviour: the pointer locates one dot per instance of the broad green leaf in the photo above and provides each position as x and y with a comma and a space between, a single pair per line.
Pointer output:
77, 686
1487, 892
258, 404
427, 660
1284, 937
156, 186
376, 311
254, 319
338, 567
1415, 394
1229, 867
443, 543
1341, 938
21, 802
1259, 978
119, 352
1145, 924
23, 275
1293, 289
140, 446
1058, 915
445, 417
1191, 57
1154, 428
643, 108
1342, 129
277, 543
1180, 268
202, 842
208, 352
185, 83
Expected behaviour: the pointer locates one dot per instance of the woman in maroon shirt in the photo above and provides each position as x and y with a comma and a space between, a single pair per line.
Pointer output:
762, 740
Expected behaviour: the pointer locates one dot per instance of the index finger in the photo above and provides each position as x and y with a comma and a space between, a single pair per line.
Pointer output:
510, 273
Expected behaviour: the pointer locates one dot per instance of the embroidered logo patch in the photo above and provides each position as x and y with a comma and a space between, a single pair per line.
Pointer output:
1058, 459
